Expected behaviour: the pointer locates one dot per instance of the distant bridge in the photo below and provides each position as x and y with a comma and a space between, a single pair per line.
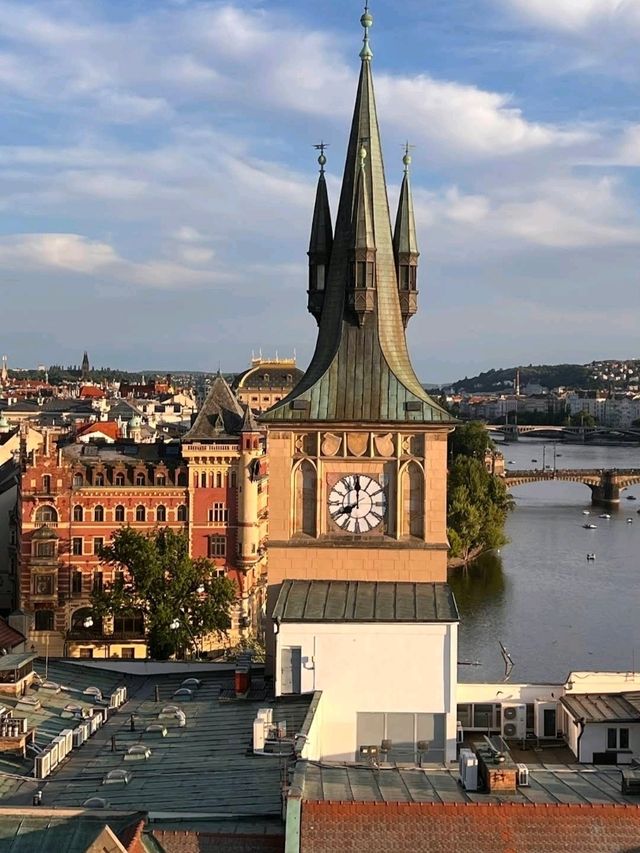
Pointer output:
605, 485
514, 431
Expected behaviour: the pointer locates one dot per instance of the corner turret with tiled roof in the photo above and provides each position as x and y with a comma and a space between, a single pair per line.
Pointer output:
361, 370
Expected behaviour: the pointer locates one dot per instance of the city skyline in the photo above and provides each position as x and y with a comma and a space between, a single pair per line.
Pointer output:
165, 193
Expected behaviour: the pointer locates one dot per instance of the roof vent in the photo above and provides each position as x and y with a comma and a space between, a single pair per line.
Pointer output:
193, 683
138, 752
93, 691
29, 703
300, 405
50, 685
95, 803
170, 709
117, 777
156, 729
184, 694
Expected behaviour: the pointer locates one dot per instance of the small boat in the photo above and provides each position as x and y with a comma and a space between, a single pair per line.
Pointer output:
534, 460
558, 455
590, 526
604, 515
591, 556
631, 498
629, 521
586, 512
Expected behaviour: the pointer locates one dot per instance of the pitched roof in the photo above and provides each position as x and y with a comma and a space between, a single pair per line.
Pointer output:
364, 601
91, 391
603, 707
233, 839
470, 828
221, 414
108, 428
38, 830
9, 637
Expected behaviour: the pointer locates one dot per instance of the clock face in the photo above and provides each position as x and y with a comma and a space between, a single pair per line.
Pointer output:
357, 503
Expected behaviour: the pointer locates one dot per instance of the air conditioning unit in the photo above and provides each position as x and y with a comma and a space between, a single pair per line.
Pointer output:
42, 765
259, 734
67, 734
522, 775
514, 721
459, 732
468, 769
54, 754
545, 722
78, 737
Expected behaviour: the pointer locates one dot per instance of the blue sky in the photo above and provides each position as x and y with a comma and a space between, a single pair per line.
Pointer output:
157, 175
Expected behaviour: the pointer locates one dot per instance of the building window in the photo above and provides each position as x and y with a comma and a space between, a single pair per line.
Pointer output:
78, 481
85, 653
44, 620
98, 545
161, 513
46, 484
305, 500
128, 653
76, 546
140, 479
76, 583
129, 625
161, 480
612, 738
98, 513
46, 515
182, 513
119, 513
98, 584
624, 739
45, 549
203, 480
617, 738
233, 479
182, 478
119, 479
218, 480
219, 514
141, 513
99, 479
217, 546
78, 513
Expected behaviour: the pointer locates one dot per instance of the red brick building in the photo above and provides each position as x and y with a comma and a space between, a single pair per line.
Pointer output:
73, 497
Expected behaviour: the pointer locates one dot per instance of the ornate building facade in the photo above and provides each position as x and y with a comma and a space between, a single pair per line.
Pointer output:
74, 496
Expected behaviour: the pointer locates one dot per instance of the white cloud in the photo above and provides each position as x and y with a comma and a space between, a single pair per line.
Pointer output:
579, 15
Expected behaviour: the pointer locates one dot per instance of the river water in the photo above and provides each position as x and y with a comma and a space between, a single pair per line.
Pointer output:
554, 610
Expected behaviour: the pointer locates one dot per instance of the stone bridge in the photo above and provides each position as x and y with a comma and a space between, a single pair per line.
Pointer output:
605, 485
513, 431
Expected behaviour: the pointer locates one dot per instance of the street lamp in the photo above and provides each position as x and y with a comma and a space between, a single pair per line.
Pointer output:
88, 622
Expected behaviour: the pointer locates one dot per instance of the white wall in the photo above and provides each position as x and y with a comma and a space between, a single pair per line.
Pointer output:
402, 668
594, 739
506, 692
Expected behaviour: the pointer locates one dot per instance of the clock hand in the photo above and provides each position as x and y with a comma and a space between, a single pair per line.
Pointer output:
356, 486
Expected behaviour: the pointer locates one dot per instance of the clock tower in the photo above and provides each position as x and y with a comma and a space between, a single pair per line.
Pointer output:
358, 449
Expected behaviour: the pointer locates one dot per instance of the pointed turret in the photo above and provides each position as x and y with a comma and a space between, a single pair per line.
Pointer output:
320, 243
360, 370
405, 246
85, 369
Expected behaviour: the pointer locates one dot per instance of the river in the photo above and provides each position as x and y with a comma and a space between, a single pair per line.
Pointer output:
554, 610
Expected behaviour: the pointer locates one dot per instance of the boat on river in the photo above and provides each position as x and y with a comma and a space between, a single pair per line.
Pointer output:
604, 515
591, 556
629, 521
590, 526
586, 512
631, 498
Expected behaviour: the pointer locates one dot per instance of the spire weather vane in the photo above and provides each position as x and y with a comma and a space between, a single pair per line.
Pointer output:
322, 158
407, 155
367, 22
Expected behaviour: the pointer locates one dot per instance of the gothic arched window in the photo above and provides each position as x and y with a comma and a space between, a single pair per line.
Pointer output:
305, 499
412, 491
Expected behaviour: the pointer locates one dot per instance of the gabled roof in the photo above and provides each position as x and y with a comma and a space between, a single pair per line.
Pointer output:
108, 428
221, 414
364, 601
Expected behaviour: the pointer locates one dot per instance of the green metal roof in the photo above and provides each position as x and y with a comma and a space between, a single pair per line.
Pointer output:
365, 601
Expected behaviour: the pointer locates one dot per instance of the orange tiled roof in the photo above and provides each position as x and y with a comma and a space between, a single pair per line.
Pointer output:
108, 428
468, 827
91, 391
9, 637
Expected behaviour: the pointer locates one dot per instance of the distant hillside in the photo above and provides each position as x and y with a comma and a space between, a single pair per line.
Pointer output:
548, 375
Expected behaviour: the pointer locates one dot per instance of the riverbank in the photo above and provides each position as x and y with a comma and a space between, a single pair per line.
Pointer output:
460, 562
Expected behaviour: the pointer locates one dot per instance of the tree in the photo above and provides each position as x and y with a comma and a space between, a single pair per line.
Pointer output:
470, 439
477, 507
180, 598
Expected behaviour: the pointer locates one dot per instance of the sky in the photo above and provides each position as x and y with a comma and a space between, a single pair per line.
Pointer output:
157, 176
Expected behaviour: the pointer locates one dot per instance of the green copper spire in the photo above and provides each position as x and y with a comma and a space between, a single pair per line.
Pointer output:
367, 22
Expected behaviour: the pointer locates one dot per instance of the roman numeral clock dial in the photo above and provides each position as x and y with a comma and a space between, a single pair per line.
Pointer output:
357, 503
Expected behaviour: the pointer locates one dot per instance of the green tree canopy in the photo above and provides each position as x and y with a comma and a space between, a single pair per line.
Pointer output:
477, 507
470, 439
180, 598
